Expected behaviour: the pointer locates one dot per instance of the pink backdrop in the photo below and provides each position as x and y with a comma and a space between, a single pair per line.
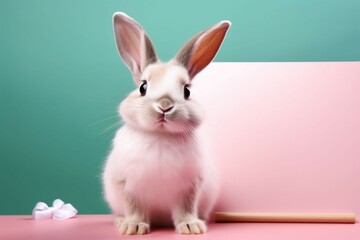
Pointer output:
286, 136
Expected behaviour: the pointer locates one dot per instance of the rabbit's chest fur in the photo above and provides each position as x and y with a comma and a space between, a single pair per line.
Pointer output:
155, 168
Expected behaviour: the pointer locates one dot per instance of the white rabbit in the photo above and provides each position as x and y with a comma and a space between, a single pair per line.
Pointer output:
156, 172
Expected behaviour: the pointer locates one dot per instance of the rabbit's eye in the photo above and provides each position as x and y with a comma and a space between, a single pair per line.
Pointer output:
143, 88
186, 92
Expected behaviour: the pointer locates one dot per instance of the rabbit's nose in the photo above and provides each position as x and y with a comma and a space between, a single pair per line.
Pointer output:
165, 105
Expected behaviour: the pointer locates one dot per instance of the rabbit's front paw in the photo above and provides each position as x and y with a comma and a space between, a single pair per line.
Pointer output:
194, 226
130, 226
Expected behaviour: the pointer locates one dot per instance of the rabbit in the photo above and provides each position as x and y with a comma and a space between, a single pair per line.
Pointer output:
157, 171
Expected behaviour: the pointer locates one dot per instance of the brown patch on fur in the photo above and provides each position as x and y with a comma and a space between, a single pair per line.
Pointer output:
122, 183
134, 207
188, 203
151, 56
182, 80
194, 119
184, 53
165, 96
157, 73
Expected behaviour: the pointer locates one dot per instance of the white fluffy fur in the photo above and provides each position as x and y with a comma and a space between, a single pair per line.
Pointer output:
158, 172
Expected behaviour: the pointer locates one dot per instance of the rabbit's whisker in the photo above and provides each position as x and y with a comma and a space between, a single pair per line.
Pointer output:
106, 119
111, 127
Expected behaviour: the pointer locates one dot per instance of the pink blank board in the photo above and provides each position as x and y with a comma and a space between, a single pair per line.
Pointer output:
286, 136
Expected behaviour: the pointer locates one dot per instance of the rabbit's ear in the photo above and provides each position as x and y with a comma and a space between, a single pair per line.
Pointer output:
200, 50
134, 45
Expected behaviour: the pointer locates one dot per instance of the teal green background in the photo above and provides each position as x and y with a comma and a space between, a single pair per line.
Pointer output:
62, 79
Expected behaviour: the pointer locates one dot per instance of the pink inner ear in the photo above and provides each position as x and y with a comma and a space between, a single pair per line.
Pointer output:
130, 37
205, 50
134, 45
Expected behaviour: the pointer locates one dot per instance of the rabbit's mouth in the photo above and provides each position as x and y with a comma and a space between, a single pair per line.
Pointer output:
162, 119
172, 122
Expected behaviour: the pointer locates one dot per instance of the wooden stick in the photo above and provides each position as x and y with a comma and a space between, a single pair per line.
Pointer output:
285, 217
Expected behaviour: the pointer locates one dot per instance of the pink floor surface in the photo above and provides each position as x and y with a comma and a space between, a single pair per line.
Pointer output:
101, 227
